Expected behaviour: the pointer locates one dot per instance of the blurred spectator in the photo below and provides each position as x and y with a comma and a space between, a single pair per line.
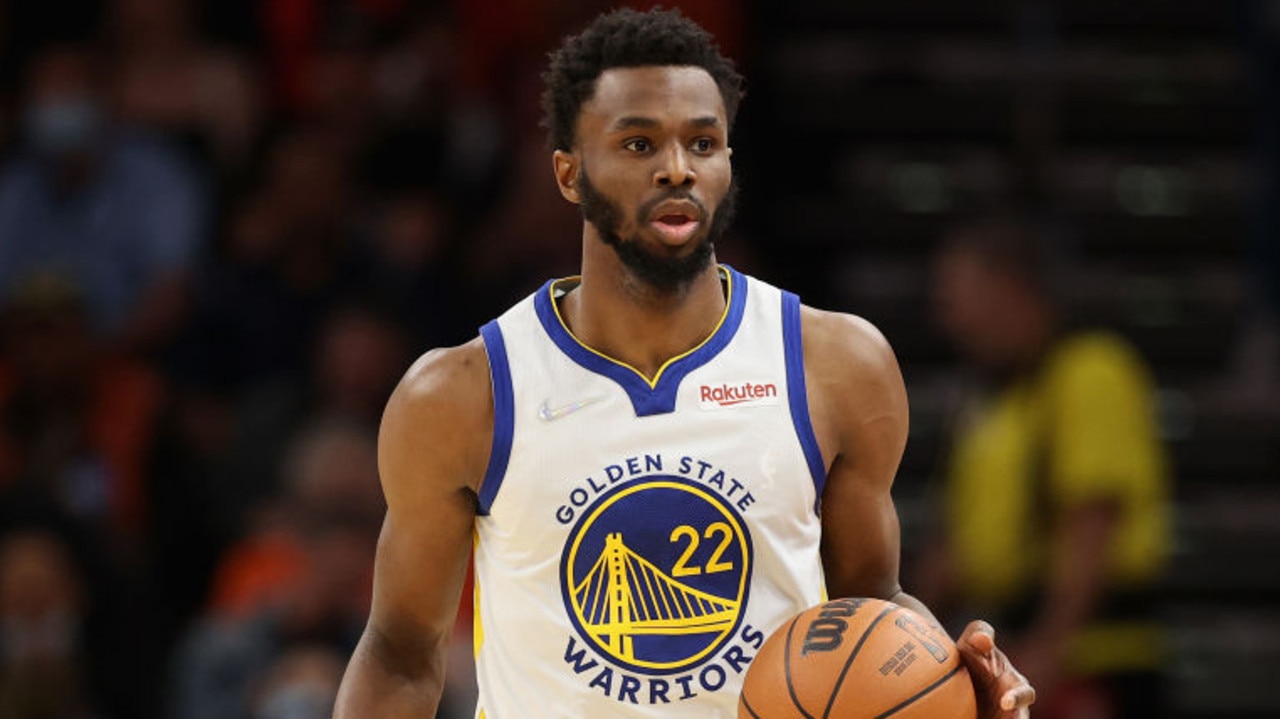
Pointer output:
119, 215
76, 423
308, 188
526, 239
339, 93
412, 246
1057, 491
301, 684
331, 474
166, 77
220, 662
297, 31
286, 257
42, 609
359, 355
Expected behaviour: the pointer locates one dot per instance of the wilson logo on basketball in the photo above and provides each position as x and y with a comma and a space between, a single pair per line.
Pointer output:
826, 632
738, 394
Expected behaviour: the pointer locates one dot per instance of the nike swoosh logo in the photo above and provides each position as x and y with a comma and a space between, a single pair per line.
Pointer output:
547, 414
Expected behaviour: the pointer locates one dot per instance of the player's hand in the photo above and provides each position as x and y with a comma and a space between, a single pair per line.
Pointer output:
1003, 693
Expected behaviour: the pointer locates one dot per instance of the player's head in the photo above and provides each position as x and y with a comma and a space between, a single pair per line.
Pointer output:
994, 291
627, 38
638, 108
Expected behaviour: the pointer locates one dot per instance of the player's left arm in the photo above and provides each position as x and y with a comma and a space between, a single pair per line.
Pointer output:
858, 405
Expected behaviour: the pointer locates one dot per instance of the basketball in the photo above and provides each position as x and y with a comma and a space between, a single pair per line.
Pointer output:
857, 659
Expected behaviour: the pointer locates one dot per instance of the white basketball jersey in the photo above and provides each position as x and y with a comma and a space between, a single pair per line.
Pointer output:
638, 540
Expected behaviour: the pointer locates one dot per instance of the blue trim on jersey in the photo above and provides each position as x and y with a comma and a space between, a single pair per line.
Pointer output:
646, 400
503, 414
793, 346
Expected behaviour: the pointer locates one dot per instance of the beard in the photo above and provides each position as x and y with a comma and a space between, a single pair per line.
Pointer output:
661, 272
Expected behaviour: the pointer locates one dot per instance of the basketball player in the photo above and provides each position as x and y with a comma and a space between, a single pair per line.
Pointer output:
655, 463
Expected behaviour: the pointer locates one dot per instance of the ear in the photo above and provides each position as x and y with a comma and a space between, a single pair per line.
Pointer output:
565, 166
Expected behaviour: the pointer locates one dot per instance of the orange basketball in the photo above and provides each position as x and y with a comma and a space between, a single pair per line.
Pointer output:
857, 659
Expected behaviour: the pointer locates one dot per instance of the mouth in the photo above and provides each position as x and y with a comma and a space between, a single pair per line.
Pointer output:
675, 228
676, 222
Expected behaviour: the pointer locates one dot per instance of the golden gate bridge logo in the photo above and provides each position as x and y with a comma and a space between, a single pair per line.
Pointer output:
670, 599
624, 595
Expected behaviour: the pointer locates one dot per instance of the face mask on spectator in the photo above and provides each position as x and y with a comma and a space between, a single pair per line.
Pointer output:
298, 701
64, 125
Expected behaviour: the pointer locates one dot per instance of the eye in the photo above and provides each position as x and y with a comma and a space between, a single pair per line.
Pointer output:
703, 144
638, 144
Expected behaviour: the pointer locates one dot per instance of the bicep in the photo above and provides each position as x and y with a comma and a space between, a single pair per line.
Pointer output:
860, 402
419, 573
860, 539
430, 447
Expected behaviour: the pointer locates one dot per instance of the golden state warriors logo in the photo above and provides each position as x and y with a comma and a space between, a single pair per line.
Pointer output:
655, 574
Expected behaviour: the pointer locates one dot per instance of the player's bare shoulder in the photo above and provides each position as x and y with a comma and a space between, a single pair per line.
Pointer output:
438, 423
841, 348
852, 376
453, 376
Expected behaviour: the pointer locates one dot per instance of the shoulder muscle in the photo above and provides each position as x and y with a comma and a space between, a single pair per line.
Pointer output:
437, 426
856, 393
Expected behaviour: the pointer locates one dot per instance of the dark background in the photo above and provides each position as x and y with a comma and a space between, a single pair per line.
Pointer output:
370, 182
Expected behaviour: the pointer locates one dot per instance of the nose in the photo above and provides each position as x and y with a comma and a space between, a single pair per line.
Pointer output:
674, 169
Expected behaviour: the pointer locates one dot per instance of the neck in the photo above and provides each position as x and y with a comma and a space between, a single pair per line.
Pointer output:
615, 313
1037, 331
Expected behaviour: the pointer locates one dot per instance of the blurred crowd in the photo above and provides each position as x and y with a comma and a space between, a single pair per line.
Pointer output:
226, 228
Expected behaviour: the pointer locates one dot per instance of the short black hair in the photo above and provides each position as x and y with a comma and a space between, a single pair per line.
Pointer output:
627, 38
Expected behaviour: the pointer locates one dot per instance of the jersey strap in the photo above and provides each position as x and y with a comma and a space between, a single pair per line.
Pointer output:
793, 345
503, 414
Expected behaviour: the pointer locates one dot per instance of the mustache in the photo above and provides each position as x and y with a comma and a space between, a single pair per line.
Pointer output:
678, 193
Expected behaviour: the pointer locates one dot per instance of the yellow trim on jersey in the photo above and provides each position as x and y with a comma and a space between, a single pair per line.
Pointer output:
477, 624
728, 302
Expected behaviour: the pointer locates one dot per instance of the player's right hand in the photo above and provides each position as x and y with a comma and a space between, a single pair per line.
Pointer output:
1003, 692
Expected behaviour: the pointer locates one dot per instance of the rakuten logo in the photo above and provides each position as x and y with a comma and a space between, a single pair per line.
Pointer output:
725, 395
